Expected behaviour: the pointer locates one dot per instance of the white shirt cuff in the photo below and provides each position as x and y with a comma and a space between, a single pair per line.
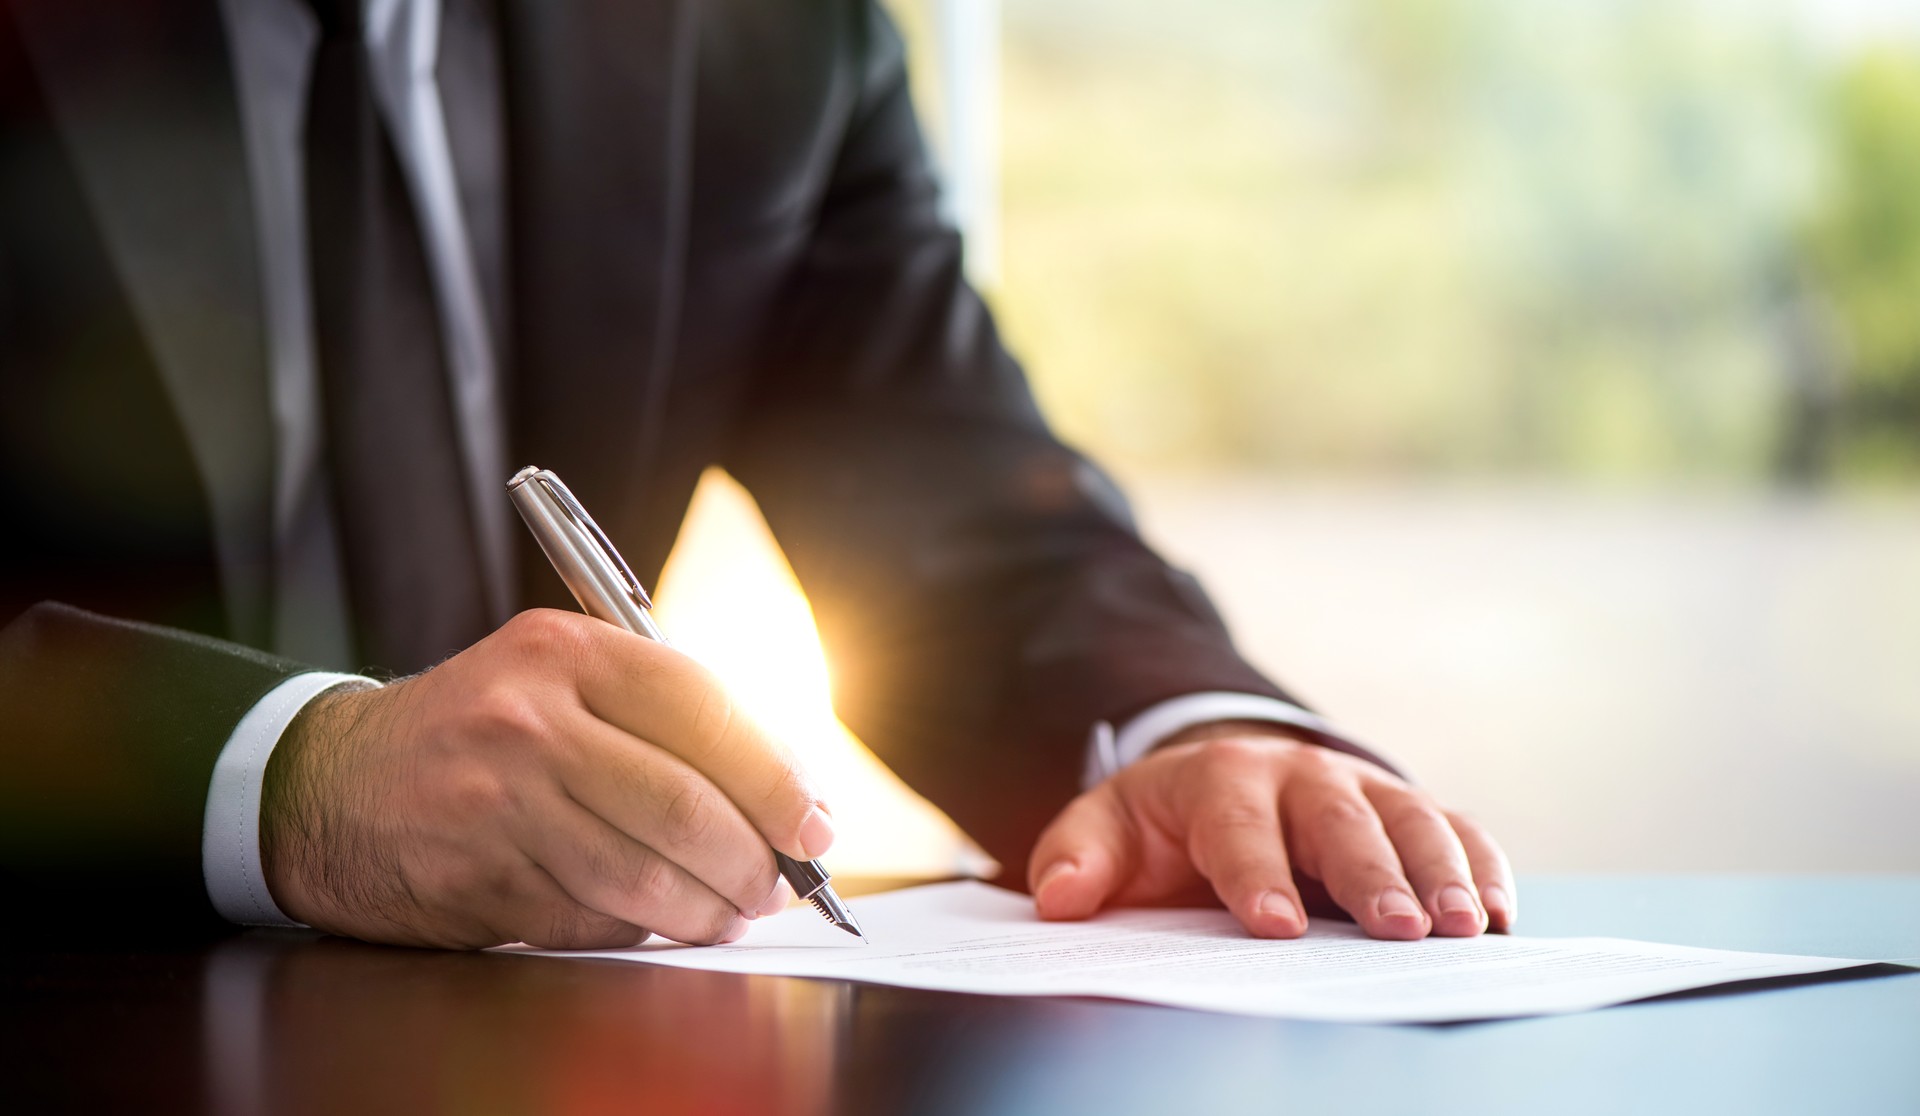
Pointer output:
1108, 751
230, 839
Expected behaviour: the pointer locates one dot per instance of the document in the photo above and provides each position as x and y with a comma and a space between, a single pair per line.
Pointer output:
971, 937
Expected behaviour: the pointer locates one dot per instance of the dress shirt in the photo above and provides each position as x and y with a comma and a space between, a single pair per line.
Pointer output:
230, 839
273, 45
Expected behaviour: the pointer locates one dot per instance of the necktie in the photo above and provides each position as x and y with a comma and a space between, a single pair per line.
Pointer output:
408, 542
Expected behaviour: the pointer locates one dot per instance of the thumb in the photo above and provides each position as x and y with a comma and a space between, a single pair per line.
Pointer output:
1081, 859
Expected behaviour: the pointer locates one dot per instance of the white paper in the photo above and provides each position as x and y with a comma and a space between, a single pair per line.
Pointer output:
970, 937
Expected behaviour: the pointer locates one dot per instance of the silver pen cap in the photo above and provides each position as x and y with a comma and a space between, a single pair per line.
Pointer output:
582, 553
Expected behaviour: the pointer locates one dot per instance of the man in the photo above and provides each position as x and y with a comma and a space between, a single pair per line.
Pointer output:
287, 289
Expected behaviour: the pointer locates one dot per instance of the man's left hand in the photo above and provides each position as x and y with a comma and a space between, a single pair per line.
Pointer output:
1240, 810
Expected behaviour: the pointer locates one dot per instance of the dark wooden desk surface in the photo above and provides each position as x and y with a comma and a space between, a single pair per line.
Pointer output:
291, 1023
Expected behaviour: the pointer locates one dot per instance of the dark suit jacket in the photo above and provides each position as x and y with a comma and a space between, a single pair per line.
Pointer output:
723, 248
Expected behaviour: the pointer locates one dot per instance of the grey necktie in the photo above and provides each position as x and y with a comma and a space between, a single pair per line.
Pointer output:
413, 576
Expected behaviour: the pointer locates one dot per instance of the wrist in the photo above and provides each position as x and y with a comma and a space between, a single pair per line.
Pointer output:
291, 814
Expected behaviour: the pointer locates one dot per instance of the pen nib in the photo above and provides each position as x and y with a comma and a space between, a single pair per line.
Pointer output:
836, 912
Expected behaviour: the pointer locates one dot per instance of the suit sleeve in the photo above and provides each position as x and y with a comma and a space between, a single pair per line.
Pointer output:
109, 731
981, 589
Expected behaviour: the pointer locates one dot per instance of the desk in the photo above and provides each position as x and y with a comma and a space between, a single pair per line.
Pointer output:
289, 1023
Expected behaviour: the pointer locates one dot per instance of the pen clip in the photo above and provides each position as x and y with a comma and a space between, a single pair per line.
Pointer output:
579, 515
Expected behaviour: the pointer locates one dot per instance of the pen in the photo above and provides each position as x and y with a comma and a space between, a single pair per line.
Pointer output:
607, 589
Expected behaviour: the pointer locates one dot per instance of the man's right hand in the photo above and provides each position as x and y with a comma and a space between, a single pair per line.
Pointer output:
561, 782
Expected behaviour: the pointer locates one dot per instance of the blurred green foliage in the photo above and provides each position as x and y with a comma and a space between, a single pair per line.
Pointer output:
1865, 247
1600, 238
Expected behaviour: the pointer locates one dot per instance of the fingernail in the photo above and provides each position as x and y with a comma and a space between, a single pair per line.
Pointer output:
816, 834
777, 902
1060, 870
736, 930
1395, 903
1455, 899
1275, 904
1497, 899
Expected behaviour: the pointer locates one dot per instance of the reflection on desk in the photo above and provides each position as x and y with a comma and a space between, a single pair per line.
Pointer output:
421, 1031
293, 1023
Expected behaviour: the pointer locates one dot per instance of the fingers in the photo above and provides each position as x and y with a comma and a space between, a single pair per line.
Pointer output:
1082, 858
1350, 852
611, 874
519, 902
1490, 871
1242, 813
1431, 857
1234, 840
661, 802
661, 696
550, 920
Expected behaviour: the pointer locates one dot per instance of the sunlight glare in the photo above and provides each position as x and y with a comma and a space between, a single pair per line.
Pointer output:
728, 598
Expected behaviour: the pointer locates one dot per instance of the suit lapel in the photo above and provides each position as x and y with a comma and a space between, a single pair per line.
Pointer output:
143, 95
600, 101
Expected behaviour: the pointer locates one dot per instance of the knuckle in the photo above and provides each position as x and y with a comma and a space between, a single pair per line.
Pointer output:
561, 924
1237, 819
1345, 811
687, 811
1235, 752
714, 714
548, 633
649, 878
758, 885
1438, 868
501, 884
787, 792
1221, 867
570, 926
602, 929
609, 874
482, 794
1231, 839
1313, 761
469, 883
509, 712
558, 646
1412, 814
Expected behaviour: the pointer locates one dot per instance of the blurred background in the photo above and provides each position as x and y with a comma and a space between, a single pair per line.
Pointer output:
1535, 386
